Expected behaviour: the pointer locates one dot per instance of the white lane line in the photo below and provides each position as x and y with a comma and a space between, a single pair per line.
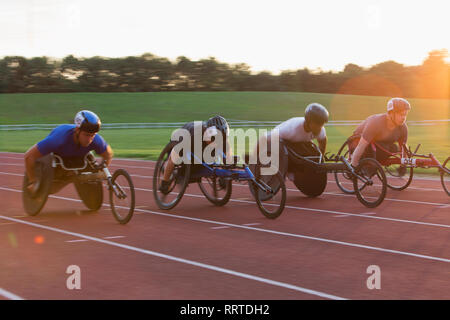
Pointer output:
139, 176
78, 240
12, 174
114, 237
182, 260
349, 244
9, 295
379, 185
226, 227
128, 166
358, 215
7, 223
388, 199
13, 158
251, 224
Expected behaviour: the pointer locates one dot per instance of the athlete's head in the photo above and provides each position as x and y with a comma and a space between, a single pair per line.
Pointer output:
397, 110
215, 124
87, 125
316, 115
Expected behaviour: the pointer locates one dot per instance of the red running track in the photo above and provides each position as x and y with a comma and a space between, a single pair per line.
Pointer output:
317, 249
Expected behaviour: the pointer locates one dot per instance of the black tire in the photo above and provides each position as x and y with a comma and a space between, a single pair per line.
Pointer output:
370, 169
276, 182
344, 180
445, 177
44, 173
214, 185
122, 208
263, 201
393, 175
91, 193
179, 180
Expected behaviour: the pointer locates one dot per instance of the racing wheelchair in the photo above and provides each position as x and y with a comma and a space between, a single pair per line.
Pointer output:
398, 165
53, 173
308, 168
215, 182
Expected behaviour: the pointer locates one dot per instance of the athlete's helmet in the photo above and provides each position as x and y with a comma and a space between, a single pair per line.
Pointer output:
398, 104
317, 113
220, 123
87, 121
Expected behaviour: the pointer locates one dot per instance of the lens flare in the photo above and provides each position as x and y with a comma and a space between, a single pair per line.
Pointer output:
39, 239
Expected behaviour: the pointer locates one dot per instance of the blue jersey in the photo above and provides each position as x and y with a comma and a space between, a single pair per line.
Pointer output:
60, 141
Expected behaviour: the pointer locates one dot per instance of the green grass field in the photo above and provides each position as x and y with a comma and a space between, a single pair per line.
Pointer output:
183, 106
188, 106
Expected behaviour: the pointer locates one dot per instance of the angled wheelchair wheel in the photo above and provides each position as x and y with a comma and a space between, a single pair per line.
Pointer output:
344, 179
271, 202
372, 192
179, 180
44, 172
445, 176
91, 193
216, 190
121, 196
398, 176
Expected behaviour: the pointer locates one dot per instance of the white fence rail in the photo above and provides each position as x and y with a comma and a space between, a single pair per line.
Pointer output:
233, 123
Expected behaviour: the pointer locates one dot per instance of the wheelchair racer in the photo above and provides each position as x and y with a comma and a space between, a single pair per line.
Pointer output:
69, 141
208, 129
299, 132
385, 129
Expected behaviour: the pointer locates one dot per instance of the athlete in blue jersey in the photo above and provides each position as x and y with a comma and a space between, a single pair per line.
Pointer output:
72, 141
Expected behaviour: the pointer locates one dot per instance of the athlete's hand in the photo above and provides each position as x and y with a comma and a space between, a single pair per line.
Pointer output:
100, 166
33, 187
30, 186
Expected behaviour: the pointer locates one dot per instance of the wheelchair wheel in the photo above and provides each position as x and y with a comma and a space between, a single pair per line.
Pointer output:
91, 193
121, 196
179, 180
445, 176
216, 190
270, 203
344, 180
398, 176
33, 204
370, 193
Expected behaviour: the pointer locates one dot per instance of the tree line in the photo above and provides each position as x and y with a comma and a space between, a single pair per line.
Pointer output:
147, 73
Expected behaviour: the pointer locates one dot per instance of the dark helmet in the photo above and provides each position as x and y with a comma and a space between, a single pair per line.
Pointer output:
317, 113
220, 123
398, 104
87, 121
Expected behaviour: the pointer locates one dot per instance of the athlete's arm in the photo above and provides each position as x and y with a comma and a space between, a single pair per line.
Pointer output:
362, 145
30, 158
229, 151
323, 145
107, 155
